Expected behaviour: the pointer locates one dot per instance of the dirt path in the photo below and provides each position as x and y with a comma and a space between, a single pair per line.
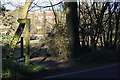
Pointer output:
53, 66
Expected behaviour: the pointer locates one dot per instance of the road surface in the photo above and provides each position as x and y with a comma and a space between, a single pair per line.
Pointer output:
109, 71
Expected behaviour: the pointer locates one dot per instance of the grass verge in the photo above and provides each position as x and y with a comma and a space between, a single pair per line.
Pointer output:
12, 69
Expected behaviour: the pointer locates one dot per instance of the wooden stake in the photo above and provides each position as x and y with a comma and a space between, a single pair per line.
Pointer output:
27, 42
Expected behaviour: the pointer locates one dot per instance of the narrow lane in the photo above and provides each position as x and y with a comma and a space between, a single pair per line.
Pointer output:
109, 71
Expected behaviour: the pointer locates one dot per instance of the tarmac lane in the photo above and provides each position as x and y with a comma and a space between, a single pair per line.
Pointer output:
109, 71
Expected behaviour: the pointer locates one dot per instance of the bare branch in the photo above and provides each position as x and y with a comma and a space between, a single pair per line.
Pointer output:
45, 6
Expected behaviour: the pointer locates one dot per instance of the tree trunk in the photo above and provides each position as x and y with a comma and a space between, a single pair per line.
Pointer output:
117, 16
72, 28
109, 28
110, 25
100, 17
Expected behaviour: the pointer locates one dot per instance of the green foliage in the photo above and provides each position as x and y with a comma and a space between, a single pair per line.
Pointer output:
6, 39
5, 43
9, 20
13, 68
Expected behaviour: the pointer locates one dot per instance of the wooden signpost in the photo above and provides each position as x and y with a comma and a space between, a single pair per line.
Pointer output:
27, 39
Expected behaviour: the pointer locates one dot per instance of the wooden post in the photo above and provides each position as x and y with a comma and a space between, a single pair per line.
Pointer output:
21, 47
27, 42
27, 39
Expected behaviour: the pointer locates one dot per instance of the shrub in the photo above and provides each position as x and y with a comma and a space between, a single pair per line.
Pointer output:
58, 43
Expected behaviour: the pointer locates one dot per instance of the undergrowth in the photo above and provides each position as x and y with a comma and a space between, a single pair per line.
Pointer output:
13, 69
105, 56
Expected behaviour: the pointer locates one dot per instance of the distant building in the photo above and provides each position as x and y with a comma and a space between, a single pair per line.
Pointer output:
40, 16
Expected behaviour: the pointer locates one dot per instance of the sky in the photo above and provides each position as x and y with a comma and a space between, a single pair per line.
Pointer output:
41, 2
21, 3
